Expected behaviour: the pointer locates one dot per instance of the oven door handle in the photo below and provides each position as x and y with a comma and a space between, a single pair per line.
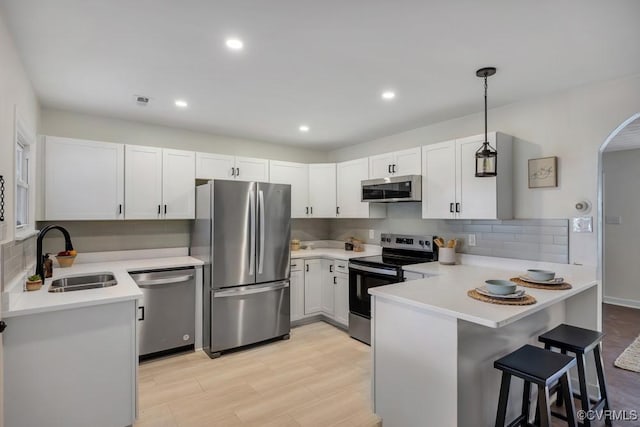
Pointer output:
383, 271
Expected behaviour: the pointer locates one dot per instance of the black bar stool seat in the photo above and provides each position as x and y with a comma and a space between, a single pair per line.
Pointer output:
580, 341
535, 366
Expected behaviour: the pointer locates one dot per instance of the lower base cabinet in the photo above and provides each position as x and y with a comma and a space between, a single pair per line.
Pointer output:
320, 287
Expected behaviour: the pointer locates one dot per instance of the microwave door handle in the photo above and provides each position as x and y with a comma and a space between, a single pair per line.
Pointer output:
252, 226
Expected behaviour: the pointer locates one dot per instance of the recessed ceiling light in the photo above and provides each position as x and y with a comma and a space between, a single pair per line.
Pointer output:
303, 128
181, 103
388, 94
234, 44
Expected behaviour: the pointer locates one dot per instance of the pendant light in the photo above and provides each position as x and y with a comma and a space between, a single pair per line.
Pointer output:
486, 156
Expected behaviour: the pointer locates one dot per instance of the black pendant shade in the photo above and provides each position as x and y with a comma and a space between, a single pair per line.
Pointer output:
486, 156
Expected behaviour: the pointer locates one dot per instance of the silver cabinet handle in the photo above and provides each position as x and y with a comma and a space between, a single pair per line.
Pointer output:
262, 226
248, 290
252, 226
167, 281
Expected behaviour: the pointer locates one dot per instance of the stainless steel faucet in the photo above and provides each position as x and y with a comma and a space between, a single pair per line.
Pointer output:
39, 258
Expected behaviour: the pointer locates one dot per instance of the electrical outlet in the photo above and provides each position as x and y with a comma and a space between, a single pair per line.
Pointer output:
472, 239
372, 234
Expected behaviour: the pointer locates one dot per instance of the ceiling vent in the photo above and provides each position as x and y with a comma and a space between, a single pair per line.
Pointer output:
142, 100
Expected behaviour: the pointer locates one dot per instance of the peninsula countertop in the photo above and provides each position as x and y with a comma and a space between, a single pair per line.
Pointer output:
41, 301
444, 290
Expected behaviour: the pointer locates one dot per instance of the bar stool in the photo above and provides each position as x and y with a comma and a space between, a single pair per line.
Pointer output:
580, 341
540, 367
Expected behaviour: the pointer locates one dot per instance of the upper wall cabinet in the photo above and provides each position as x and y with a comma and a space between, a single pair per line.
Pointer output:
450, 188
349, 176
84, 180
405, 162
220, 166
313, 187
160, 183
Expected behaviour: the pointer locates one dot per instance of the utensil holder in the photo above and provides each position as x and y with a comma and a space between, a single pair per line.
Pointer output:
447, 256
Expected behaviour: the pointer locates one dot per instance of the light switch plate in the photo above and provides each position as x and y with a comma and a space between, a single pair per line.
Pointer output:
582, 224
472, 239
372, 234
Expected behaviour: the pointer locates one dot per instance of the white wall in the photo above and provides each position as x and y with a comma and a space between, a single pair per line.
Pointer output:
85, 126
571, 125
15, 93
622, 241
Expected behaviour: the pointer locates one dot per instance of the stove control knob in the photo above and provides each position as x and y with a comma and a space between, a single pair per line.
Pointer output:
427, 243
421, 242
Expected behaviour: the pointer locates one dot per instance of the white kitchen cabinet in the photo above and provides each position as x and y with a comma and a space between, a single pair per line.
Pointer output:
215, 166
296, 287
328, 287
312, 286
296, 175
349, 176
159, 183
397, 163
341, 298
221, 166
178, 184
84, 180
322, 190
469, 197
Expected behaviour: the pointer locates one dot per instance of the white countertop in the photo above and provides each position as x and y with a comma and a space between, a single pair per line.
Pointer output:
43, 301
335, 253
444, 289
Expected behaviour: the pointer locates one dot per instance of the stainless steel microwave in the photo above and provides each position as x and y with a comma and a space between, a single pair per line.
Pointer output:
407, 188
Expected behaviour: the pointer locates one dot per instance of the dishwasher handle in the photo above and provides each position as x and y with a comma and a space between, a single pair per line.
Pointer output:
165, 281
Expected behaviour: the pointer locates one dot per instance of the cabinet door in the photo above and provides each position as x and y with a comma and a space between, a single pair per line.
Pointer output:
341, 299
407, 162
178, 184
214, 166
251, 169
296, 175
312, 286
477, 196
349, 189
143, 182
439, 180
297, 295
381, 165
328, 286
84, 179
322, 190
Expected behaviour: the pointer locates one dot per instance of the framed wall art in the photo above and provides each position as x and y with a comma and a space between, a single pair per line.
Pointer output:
543, 172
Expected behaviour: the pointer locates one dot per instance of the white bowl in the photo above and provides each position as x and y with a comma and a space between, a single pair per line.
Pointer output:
501, 287
541, 275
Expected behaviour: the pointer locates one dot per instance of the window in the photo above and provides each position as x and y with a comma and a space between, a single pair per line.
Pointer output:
22, 185
25, 178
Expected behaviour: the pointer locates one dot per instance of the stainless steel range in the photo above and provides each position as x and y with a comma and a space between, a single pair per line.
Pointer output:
398, 250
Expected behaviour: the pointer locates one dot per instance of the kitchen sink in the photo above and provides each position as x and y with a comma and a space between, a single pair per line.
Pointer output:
78, 283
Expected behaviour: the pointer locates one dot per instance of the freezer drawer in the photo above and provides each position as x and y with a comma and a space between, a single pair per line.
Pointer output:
249, 314
166, 317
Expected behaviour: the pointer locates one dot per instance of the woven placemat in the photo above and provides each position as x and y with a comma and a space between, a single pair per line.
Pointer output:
527, 300
558, 287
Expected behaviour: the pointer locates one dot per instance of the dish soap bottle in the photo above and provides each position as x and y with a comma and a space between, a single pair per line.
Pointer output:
47, 266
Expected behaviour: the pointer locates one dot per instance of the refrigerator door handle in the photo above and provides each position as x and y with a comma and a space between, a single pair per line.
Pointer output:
261, 225
249, 290
252, 238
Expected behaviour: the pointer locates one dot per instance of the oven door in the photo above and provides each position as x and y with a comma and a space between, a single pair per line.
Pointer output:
361, 279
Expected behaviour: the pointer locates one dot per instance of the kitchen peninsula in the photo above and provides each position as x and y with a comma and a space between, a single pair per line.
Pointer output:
434, 347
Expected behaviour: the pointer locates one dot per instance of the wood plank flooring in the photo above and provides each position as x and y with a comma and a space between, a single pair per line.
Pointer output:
320, 377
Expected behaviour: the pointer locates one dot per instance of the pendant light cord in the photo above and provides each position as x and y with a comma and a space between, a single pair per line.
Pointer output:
485, 108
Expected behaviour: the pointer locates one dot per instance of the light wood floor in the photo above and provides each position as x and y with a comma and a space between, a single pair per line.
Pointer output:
320, 377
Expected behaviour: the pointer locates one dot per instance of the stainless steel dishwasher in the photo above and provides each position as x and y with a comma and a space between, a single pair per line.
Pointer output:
166, 318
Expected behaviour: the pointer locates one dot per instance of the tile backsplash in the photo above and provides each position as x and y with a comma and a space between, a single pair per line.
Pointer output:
16, 257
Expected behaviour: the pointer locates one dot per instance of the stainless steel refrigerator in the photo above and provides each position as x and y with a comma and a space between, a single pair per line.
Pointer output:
242, 233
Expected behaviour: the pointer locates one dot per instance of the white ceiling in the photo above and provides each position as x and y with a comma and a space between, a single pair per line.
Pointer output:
627, 139
321, 63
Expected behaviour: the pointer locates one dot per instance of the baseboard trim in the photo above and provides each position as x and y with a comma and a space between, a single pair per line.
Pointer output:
621, 301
